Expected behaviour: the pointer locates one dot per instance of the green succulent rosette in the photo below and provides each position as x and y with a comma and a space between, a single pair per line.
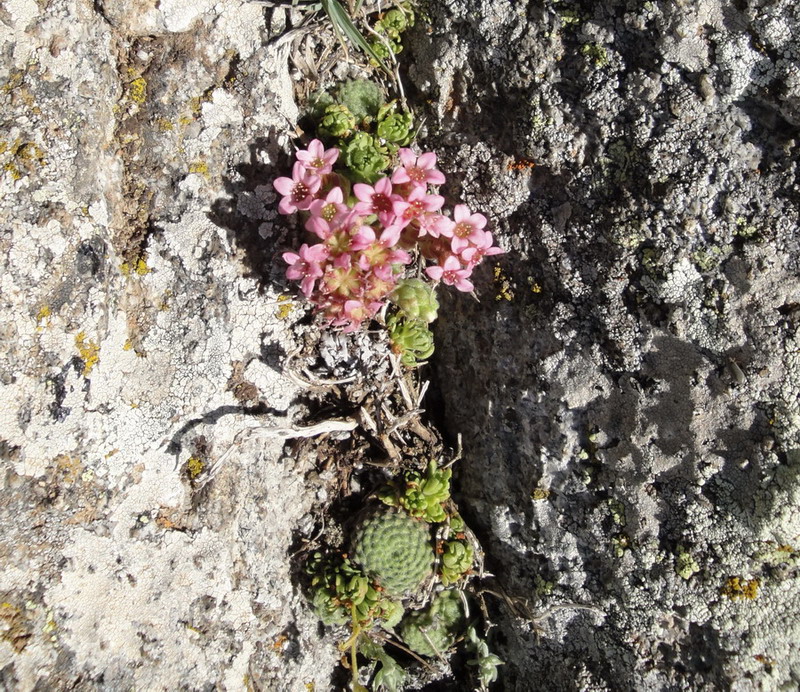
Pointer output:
411, 339
362, 97
394, 549
456, 561
433, 630
337, 122
365, 158
416, 299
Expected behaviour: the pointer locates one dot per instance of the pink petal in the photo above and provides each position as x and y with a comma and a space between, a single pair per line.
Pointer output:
427, 160
284, 185
286, 206
464, 285
384, 186
391, 235
407, 156
451, 264
435, 177
363, 192
400, 176
435, 272
290, 257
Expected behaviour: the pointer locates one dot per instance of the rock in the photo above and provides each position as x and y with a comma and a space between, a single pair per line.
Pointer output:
626, 387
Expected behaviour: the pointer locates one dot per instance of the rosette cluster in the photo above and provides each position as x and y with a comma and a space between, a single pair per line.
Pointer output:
394, 549
367, 237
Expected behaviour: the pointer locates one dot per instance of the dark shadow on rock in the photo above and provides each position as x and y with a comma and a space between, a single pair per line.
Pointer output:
213, 417
248, 212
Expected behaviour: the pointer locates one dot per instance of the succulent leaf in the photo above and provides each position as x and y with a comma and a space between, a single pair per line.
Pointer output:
456, 561
337, 122
365, 157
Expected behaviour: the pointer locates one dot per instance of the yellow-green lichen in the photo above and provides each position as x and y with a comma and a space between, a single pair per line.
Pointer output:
137, 90
540, 493
285, 307
685, 564
194, 467
617, 510
503, 285
89, 352
200, 167
140, 267
43, 316
596, 53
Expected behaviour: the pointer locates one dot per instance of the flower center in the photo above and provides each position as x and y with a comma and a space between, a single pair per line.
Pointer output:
462, 230
299, 192
328, 212
338, 242
317, 163
414, 210
416, 174
381, 203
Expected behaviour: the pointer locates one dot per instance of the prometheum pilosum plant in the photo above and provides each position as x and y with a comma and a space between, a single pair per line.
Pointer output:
373, 240
401, 581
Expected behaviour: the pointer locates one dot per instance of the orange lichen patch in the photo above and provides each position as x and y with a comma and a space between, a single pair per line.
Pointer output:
14, 628
69, 467
737, 588
89, 352
521, 164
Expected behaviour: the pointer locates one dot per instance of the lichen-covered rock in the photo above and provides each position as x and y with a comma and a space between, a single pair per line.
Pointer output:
394, 548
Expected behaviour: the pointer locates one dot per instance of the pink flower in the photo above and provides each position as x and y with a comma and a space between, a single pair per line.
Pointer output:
466, 227
418, 170
306, 266
298, 191
316, 159
479, 247
452, 273
377, 199
434, 225
417, 203
377, 254
343, 279
354, 312
331, 208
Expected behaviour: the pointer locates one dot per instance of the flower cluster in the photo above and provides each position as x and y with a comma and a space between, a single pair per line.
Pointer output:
367, 236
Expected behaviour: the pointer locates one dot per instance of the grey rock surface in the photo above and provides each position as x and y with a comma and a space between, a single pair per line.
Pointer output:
627, 385
627, 388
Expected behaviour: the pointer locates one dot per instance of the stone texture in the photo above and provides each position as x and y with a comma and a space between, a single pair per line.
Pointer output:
627, 388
